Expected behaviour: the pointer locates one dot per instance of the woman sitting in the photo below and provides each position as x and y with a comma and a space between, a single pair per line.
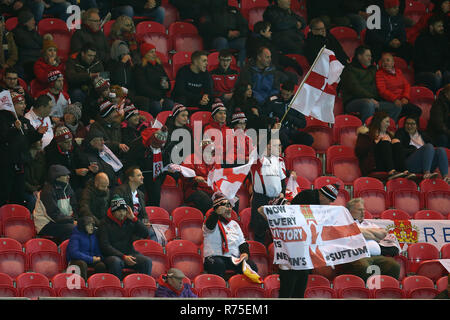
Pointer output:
377, 150
421, 156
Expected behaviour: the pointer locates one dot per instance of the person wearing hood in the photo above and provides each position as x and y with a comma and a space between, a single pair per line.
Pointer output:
171, 285
96, 157
60, 207
223, 239
90, 32
117, 232
83, 249
359, 90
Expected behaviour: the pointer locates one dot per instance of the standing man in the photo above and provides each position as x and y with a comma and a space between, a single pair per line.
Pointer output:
39, 117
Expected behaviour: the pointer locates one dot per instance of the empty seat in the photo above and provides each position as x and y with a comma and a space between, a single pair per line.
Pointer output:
139, 285
43, 257
345, 126
259, 255
320, 293
342, 163
419, 252
414, 10
171, 197
354, 293
242, 287
200, 116
272, 286
317, 280
395, 214
436, 195
211, 286
423, 98
17, 223
69, 285
105, 285
445, 251
12, 258
428, 215
7, 288
302, 159
347, 37
403, 194
145, 28
187, 42
385, 287
417, 283
373, 193
321, 132
442, 283
346, 281
245, 216
33, 285
153, 250
184, 255
188, 222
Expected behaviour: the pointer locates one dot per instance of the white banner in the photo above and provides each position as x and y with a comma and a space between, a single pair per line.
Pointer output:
308, 237
6, 102
436, 232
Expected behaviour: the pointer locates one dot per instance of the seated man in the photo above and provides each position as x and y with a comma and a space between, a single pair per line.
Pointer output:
223, 239
94, 201
224, 77
374, 235
171, 285
116, 234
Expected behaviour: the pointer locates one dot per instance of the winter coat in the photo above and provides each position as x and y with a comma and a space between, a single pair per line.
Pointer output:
82, 246
265, 82
124, 191
42, 69
439, 122
365, 152
77, 73
190, 87
116, 237
405, 139
148, 81
165, 290
358, 82
29, 44
112, 134
8, 53
392, 27
392, 86
35, 172
431, 53
85, 35
224, 81
138, 5
94, 202
283, 21
314, 43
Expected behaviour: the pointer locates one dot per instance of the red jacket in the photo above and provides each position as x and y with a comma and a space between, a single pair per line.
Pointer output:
42, 69
391, 87
224, 82
201, 169
219, 147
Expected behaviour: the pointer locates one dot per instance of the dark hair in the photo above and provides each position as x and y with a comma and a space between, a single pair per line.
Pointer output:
360, 50
375, 123
261, 26
435, 19
10, 70
315, 22
413, 117
88, 46
288, 85
129, 172
42, 101
225, 53
83, 221
197, 54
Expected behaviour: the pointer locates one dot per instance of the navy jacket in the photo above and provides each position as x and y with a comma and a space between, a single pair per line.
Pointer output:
82, 246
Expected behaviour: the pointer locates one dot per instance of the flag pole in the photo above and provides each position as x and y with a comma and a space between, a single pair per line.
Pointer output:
303, 82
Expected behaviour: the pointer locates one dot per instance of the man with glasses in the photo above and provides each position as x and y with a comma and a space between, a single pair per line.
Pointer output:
224, 77
11, 82
90, 32
318, 37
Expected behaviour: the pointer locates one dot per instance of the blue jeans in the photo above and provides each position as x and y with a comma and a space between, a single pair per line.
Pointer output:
157, 15
367, 108
431, 80
116, 264
427, 158
58, 10
238, 44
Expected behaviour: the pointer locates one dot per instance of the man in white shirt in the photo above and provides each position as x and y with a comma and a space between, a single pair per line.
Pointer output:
56, 92
39, 117
268, 175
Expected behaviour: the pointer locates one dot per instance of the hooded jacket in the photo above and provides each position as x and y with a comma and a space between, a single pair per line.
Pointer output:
82, 246
265, 82
165, 290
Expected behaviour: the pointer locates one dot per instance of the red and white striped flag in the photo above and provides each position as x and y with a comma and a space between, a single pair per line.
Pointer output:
317, 94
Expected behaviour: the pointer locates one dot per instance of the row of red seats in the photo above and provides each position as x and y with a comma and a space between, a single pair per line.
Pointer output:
34, 285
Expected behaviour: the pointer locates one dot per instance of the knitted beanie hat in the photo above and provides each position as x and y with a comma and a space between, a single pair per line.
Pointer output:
217, 106
75, 109
62, 133
330, 191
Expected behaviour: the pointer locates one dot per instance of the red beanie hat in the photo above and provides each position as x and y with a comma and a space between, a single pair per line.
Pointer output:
388, 4
146, 47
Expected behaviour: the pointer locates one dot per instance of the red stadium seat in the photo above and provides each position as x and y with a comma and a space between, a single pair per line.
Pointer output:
158, 215
272, 286
17, 223
188, 222
347, 37
60, 285
107, 27
171, 14
187, 42
338, 107
302, 61
398, 185
432, 269
180, 59
418, 252
105, 285
153, 250
33, 285
181, 27
302, 159
12, 258
244, 198
316, 280
320, 293
373, 193
255, 15
43, 257
321, 132
7, 288
395, 214
436, 195
139, 285
346, 281
412, 283
213, 61
259, 255
211, 286
428, 215
423, 98
61, 34
11, 23
148, 27
354, 293
171, 197
200, 116
62, 248
445, 251
184, 255
385, 287
442, 283
245, 216
342, 163
247, 5
242, 287
304, 183
160, 41
345, 126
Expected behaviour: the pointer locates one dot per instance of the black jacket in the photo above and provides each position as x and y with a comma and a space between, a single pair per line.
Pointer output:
29, 44
439, 123
431, 53
94, 202
307, 197
147, 81
77, 73
283, 21
405, 139
85, 35
190, 87
314, 43
278, 107
116, 238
